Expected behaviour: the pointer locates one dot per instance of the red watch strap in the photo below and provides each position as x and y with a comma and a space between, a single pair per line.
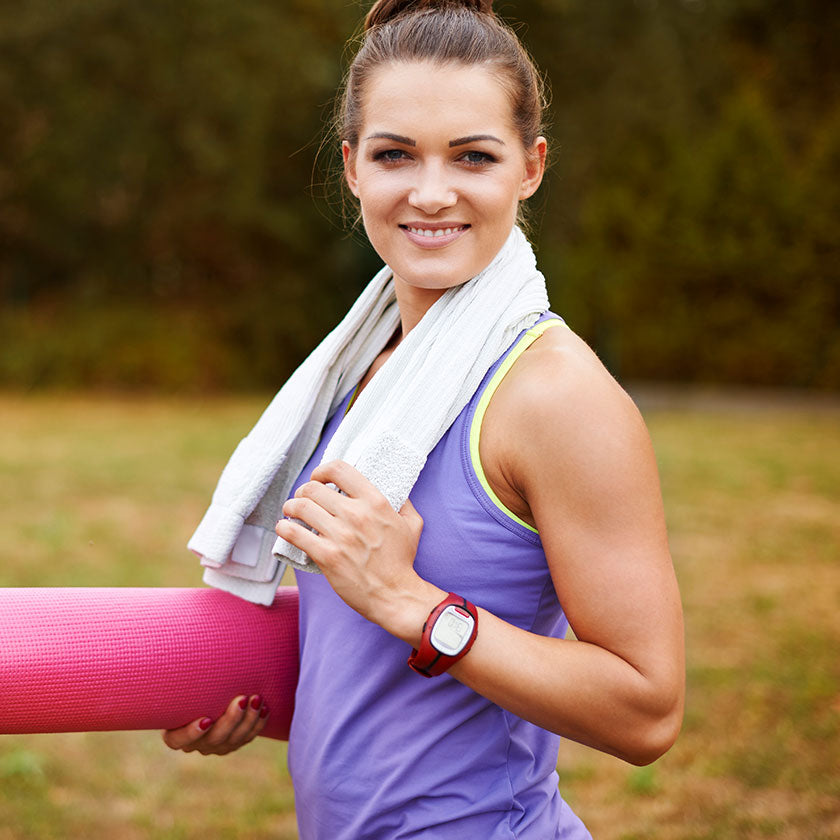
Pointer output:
428, 660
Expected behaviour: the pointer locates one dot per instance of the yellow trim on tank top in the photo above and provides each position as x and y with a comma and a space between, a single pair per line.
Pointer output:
475, 429
352, 398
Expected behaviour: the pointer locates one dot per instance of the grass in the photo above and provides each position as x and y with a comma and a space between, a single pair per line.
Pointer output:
105, 491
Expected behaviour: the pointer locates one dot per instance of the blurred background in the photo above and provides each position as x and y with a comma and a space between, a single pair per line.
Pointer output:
172, 245
167, 221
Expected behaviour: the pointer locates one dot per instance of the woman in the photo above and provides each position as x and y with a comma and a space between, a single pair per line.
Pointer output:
539, 504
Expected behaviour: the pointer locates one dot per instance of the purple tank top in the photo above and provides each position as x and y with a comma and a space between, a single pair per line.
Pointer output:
378, 752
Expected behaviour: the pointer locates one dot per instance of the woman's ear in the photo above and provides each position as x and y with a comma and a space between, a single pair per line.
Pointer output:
349, 156
534, 168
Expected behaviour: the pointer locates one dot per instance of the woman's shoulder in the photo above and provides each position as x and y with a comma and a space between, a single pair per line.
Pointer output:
560, 379
557, 407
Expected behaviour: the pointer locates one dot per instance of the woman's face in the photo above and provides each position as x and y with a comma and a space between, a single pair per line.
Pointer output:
439, 171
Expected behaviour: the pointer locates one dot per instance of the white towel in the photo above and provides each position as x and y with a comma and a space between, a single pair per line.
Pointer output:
393, 425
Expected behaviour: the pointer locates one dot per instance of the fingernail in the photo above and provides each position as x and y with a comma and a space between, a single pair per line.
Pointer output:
205, 723
243, 703
264, 712
256, 701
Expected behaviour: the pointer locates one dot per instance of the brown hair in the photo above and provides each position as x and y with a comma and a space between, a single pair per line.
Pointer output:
446, 31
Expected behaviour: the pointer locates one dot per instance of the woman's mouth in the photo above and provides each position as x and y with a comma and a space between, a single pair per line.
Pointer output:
433, 236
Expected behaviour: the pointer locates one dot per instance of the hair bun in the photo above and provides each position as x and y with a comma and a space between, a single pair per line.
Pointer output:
386, 10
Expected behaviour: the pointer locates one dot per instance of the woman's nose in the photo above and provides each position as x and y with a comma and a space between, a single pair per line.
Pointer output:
432, 191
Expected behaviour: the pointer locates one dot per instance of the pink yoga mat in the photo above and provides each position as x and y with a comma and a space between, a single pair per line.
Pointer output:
82, 660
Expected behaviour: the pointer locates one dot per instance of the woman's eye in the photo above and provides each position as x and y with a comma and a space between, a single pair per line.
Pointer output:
477, 158
390, 155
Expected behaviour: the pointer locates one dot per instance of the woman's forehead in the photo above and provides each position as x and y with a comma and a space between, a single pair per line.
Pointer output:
464, 99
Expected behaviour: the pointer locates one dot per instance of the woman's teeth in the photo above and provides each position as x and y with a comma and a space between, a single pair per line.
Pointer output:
439, 232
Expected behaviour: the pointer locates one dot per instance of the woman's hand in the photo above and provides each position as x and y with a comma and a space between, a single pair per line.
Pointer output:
243, 720
363, 546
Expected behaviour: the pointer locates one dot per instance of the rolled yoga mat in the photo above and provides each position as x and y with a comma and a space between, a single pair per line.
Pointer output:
83, 660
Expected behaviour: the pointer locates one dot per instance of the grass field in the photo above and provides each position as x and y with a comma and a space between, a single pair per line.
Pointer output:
105, 491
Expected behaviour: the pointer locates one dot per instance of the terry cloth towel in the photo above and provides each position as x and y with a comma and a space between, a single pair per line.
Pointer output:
393, 425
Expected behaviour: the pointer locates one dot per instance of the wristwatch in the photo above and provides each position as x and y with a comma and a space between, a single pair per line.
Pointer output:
448, 634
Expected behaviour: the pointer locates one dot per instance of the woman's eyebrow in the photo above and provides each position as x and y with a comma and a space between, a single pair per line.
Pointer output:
407, 141
474, 138
397, 138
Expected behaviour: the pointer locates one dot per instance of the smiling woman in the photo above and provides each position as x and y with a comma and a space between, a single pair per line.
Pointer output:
496, 485
440, 174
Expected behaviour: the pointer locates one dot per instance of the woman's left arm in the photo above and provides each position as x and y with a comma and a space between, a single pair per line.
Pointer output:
582, 466
570, 446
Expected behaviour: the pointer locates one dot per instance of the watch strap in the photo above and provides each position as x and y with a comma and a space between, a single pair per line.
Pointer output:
427, 659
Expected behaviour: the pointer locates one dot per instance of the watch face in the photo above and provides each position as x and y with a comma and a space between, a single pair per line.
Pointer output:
452, 631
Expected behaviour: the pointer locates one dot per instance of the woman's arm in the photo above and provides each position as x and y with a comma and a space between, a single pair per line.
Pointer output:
564, 447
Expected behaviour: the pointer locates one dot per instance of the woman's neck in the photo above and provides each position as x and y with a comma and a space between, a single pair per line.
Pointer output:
414, 303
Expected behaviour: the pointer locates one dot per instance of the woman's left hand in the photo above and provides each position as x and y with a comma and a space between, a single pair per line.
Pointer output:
363, 546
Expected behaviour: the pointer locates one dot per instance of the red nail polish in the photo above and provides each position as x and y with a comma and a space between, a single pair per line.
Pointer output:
205, 723
256, 702
264, 712
243, 702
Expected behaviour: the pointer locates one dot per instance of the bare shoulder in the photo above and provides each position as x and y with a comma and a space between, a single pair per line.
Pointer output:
564, 362
559, 412
560, 388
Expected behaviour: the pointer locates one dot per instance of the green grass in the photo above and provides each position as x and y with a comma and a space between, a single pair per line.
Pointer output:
105, 491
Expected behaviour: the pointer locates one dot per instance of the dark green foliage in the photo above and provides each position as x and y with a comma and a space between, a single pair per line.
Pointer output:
691, 236
160, 227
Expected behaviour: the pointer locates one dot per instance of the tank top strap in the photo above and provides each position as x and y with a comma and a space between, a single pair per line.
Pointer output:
485, 393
